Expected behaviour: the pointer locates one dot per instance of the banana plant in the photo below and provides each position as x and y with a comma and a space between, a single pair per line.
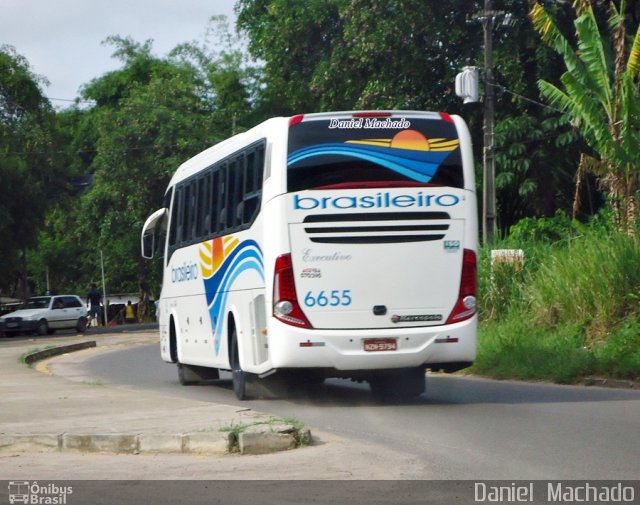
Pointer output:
599, 95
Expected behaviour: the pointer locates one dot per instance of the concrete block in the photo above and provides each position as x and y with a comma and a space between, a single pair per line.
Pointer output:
206, 442
30, 443
304, 437
160, 443
265, 442
117, 443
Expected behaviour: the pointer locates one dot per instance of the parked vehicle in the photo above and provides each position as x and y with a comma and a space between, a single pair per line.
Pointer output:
46, 314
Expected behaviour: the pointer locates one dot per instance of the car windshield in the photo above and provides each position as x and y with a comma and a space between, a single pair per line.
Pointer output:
40, 302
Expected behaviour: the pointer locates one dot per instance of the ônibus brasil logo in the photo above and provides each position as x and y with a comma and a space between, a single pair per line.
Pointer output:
21, 491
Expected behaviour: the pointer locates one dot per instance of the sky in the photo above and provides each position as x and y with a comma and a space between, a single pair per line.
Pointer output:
62, 39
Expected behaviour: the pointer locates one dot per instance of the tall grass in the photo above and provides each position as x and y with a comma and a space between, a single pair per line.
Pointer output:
572, 310
595, 282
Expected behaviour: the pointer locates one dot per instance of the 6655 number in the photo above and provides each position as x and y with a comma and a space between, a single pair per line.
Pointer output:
325, 298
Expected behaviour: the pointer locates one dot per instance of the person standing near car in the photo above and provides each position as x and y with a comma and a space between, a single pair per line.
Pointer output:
94, 298
130, 313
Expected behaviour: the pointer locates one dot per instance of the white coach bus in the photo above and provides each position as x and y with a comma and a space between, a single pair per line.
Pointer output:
322, 245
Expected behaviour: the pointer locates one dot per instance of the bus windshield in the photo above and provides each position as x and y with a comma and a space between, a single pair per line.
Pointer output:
340, 154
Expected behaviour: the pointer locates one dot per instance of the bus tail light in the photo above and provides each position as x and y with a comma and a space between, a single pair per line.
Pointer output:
446, 117
285, 301
372, 114
466, 305
294, 120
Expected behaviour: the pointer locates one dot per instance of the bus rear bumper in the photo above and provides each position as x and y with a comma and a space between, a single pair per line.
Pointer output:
435, 347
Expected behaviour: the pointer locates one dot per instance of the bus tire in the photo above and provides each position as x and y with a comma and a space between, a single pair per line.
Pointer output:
402, 384
238, 375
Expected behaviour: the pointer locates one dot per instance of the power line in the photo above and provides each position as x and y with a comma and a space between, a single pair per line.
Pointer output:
74, 100
526, 99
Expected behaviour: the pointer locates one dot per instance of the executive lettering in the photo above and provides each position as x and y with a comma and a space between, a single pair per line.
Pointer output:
309, 257
378, 201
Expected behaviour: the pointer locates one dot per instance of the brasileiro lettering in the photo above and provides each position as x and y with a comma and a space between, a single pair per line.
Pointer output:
370, 123
378, 201
184, 273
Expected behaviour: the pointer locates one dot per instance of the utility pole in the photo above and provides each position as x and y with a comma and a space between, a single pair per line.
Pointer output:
104, 290
489, 161
466, 88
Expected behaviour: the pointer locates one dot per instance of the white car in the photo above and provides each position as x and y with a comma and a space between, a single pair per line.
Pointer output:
46, 314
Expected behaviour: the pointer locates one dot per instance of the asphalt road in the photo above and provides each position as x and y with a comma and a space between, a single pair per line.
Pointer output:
461, 428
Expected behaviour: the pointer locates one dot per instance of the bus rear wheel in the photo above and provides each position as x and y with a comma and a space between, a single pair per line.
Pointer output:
238, 375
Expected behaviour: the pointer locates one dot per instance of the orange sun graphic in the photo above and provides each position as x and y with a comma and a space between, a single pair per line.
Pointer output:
410, 139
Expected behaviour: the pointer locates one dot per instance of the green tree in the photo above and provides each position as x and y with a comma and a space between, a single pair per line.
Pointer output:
599, 94
151, 119
351, 54
404, 54
28, 168
151, 115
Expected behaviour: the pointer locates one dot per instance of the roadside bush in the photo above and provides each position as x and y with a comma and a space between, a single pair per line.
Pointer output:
572, 310
543, 229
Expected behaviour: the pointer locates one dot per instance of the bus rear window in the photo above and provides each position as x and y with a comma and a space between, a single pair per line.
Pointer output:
332, 154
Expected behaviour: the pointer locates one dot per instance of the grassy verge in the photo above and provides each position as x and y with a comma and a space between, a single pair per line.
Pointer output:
518, 349
572, 311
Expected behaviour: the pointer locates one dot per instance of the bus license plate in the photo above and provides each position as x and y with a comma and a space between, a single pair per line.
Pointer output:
380, 344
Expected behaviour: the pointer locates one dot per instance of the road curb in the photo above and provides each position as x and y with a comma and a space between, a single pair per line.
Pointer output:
610, 383
32, 357
252, 442
118, 443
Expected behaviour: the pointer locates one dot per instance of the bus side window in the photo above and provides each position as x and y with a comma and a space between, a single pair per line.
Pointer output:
222, 195
216, 189
173, 231
253, 184
231, 194
205, 205
185, 225
201, 207
238, 194
250, 188
193, 210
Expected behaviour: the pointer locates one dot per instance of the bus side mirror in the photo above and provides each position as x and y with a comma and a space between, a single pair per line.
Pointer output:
148, 238
148, 245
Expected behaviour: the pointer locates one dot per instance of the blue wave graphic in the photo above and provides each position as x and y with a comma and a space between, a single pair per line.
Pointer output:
420, 166
246, 256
